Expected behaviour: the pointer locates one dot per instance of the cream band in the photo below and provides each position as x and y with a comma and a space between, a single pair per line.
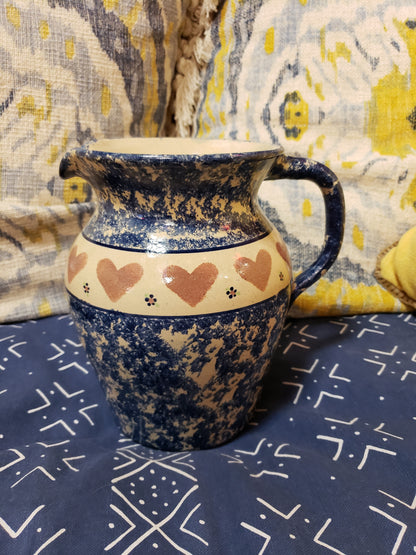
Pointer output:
177, 284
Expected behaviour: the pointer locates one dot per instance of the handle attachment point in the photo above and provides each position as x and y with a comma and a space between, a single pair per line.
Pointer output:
290, 167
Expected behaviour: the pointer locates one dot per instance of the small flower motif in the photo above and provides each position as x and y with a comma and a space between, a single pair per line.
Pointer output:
150, 300
281, 276
231, 292
86, 288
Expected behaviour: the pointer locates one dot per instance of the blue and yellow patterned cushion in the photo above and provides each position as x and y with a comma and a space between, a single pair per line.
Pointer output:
70, 71
334, 81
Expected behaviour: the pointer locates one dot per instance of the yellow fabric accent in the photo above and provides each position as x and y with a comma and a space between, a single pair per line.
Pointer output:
110, 4
44, 30
322, 42
215, 86
65, 141
409, 198
44, 308
358, 237
296, 115
269, 41
339, 297
341, 51
13, 15
27, 106
391, 109
399, 264
54, 155
130, 20
392, 96
48, 96
320, 141
307, 208
318, 90
308, 77
75, 190
105, 100
70, 48
151, 89
35, 230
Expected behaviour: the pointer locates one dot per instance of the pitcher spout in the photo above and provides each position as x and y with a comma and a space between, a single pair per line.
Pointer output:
70, 165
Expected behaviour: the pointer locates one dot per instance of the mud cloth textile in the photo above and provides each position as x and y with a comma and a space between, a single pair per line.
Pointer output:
327, 465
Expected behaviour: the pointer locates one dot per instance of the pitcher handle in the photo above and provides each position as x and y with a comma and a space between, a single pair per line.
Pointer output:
289, 167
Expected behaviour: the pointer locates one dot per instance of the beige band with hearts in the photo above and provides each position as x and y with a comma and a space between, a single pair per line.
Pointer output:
178, 284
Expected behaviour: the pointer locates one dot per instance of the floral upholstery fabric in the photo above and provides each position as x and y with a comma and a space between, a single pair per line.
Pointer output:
334, 81
71, 71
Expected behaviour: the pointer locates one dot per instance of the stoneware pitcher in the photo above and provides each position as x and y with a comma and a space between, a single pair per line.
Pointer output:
179, 285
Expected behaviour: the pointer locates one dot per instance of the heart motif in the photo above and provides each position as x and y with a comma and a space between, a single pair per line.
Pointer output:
76, 262
193, 287
117, 283
256, 271
284, 253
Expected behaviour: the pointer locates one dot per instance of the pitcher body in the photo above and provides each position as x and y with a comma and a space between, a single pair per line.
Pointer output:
179, 286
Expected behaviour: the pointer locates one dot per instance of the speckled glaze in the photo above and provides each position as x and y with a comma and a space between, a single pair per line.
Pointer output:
179, 285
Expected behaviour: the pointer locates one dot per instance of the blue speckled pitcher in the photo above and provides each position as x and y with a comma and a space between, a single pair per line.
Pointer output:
179, 285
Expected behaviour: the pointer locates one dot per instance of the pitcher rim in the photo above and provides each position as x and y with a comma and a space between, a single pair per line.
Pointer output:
181, 148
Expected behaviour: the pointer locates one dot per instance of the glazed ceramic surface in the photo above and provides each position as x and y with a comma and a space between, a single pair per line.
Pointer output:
179, 285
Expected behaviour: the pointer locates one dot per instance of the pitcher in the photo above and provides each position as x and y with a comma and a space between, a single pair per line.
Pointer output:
179, 285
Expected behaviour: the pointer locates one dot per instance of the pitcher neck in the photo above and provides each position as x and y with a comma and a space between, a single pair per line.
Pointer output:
144, 201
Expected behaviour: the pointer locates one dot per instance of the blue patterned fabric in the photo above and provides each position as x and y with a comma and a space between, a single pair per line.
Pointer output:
334, 81
71, 71
327, 465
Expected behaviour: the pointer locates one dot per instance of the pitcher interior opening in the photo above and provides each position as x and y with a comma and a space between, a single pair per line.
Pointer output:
181, 146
